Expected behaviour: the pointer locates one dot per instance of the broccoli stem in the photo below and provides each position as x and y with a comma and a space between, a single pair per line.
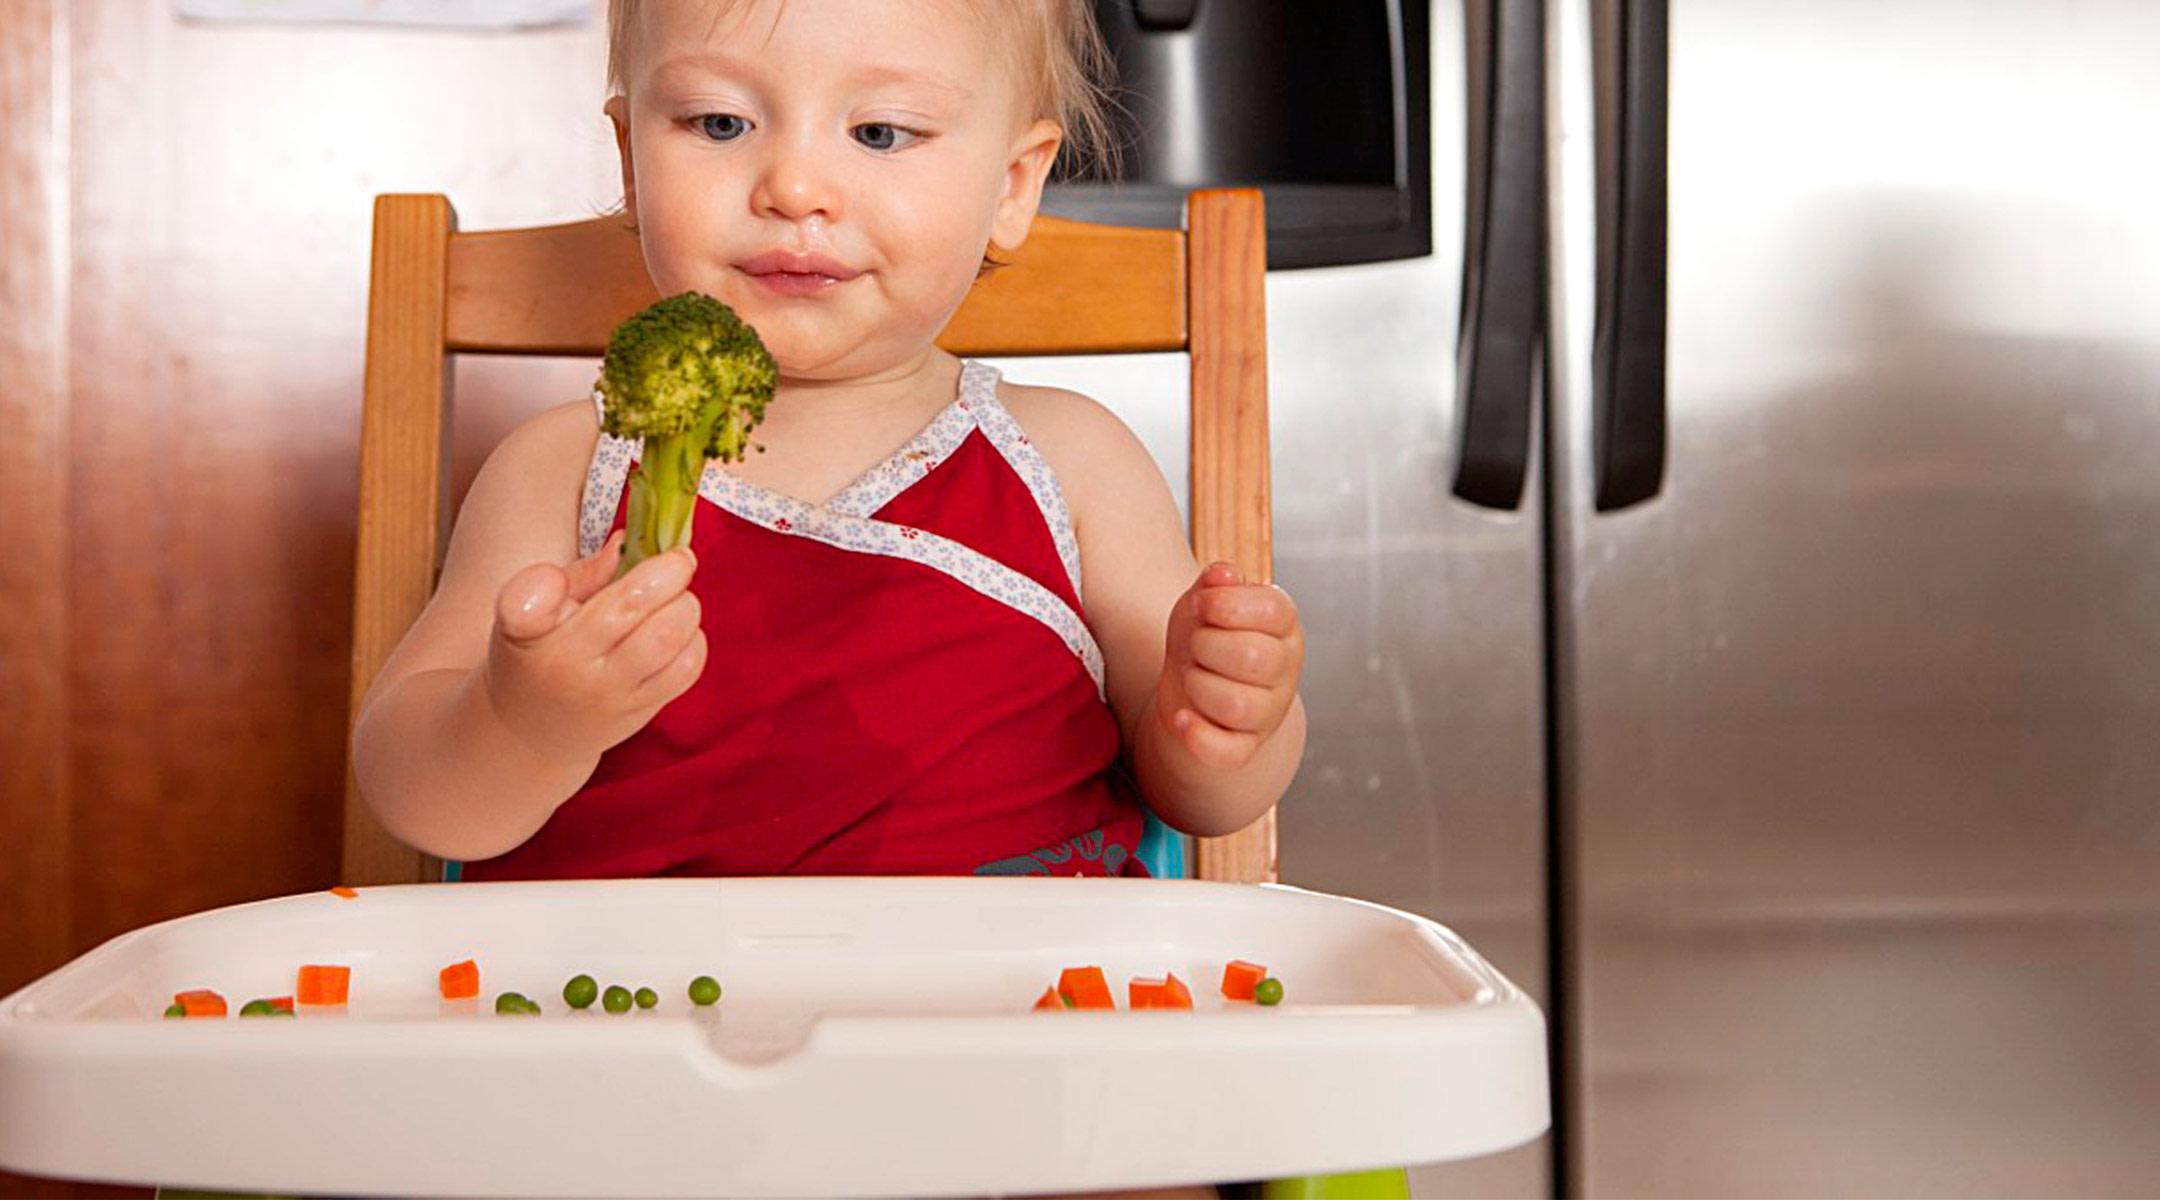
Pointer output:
663, 491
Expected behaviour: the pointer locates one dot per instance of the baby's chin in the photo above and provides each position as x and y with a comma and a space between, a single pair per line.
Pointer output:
809, 362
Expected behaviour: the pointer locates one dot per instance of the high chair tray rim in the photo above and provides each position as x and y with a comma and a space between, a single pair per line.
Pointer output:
875, 1037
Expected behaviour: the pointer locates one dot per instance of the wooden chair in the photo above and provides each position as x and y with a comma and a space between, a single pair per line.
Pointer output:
1074, 288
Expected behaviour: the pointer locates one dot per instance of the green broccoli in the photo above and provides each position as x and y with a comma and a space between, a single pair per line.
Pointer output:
689, 377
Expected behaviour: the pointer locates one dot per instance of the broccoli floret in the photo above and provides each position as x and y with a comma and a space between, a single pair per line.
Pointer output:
691, 379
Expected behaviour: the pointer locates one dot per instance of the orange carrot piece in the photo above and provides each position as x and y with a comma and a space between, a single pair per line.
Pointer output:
323, 985
461, 981
1175, 994
281, 1003
344, 893
1086, 987
1050, 1000
202, 1002
1146, 993
1239, 978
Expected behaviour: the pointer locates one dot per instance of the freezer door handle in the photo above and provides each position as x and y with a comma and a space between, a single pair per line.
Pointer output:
1628, 354
1503, 308
1160, 15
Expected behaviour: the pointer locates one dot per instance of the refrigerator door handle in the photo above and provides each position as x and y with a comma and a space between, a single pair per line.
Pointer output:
1503, 308
1628, 356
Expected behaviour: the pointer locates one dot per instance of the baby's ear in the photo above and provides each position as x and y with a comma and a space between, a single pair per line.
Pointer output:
618, 112
1026, 167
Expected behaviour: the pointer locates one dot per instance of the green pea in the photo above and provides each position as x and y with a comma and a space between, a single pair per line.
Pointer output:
704, 990
616, 999
1267, 991
256, 1008
581, 991
176, 1010
647, 998
510, 1002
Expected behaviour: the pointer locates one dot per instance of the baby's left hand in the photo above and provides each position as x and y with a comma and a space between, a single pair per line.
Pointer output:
1230, 666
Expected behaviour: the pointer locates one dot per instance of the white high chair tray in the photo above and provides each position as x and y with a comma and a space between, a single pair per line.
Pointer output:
876, 1037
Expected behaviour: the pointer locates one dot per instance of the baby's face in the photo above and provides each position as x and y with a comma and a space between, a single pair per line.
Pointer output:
831, 169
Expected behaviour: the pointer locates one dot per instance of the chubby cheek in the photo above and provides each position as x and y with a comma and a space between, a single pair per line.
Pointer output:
670, 244
946, 243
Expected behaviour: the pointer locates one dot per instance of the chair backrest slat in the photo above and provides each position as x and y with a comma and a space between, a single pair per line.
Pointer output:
404, 430
1113, 291
554, 290
1231, 515
559, 289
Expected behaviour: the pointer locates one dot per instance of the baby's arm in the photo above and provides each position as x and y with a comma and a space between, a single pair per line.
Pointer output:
497, 704
1201, 667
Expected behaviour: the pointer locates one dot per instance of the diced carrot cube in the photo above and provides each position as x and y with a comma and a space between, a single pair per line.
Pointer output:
323, 985
1050, 1000
1175, 994
202, 1002
461, 981
344, 893
1086, 987
1239, 977
1146, 993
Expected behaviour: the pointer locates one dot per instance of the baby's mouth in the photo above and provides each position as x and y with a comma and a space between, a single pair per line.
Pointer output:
788, 274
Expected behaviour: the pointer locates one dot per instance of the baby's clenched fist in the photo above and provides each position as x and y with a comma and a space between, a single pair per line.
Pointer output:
1231, 661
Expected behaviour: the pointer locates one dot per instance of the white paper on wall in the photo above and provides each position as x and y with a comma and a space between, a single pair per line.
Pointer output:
454, 14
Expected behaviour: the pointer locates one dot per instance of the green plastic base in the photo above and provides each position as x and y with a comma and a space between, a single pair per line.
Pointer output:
1390, 1184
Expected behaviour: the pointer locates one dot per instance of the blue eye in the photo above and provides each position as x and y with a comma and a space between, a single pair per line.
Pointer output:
883, 135
721, 127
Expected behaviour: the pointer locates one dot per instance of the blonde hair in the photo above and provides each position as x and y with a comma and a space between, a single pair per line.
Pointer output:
1062, 59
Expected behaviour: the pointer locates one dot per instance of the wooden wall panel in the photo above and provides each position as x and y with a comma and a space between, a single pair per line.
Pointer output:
129, 487
35, 835
184, 216
33, 498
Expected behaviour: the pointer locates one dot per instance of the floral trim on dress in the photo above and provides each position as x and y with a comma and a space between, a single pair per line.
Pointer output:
877, 486
1028, 463
604, 480
845, 521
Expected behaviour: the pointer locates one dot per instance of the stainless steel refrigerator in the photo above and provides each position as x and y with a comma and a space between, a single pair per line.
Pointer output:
1795, 739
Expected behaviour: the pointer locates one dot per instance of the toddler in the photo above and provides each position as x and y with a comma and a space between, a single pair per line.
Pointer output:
945, 623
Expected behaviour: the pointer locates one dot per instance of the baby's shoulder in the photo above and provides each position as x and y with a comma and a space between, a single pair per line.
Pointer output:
570, 427
555, 438
1066, 425
542, 461
1095, 455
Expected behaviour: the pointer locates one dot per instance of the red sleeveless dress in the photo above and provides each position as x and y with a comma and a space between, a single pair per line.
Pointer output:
899, 682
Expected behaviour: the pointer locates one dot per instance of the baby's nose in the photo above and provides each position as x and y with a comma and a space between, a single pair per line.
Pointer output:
797, 184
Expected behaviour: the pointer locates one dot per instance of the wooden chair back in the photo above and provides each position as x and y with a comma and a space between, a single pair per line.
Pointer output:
1074, 288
